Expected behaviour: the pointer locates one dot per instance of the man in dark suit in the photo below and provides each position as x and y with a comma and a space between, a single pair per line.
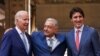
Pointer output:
48, 42
16, 42
82, 40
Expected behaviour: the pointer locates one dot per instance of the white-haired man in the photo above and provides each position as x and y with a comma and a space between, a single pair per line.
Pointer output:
16, 42
48, 42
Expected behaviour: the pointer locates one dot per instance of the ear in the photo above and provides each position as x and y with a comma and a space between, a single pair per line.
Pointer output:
56, 28
71, 20
16, 20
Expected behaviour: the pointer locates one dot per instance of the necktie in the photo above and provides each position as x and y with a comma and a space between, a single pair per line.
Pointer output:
24, 39
77, 39
50, 44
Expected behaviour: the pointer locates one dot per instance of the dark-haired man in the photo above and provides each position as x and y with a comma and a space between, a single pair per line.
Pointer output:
82, 40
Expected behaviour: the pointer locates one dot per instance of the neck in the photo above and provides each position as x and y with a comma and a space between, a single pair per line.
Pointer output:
21, 29
50, 36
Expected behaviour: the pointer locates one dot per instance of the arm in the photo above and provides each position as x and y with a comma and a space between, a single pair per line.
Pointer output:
5, 46
32, 41
96, 43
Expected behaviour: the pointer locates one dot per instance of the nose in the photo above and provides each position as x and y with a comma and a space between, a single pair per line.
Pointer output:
78, 18
27, 21
45, 28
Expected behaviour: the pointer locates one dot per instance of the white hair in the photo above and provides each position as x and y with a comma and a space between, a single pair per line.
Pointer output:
19, 14
53, 21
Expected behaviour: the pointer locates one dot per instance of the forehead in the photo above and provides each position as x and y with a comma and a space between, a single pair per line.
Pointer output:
49, 23
76, 13
25, 16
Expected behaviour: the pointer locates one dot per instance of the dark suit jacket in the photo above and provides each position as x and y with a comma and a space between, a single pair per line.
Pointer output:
89, 44
41, 48
12, 45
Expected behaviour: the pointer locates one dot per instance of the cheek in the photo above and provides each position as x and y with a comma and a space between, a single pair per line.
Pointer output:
73, 21
19, 23
49, 30
82, 20
52, 30
44, 28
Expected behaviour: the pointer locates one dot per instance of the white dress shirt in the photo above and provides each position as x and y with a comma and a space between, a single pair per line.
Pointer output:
80, 33
25, 37
55, 42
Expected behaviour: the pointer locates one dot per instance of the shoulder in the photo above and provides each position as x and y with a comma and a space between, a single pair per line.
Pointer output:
8, 35
27, 34
91, 29
61, 34
10, 32
37, 34
70, 31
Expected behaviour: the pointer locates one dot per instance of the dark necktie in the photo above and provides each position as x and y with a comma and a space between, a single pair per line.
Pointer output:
50, 44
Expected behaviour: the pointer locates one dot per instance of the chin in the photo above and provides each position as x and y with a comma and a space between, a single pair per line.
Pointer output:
78, 26
45, 34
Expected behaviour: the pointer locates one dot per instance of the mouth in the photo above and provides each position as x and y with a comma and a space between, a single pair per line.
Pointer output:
25, 24
79, 22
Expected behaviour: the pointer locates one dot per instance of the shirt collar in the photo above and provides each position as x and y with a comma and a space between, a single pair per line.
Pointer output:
18, 30
81, 29
53, 37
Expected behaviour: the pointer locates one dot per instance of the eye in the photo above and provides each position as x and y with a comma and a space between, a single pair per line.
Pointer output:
75, 17
26, 19
48, 26
80, 16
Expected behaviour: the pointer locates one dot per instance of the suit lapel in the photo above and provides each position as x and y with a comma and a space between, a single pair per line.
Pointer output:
29, 41
83, 37
21, 44
43, 42
60, 39
73, 40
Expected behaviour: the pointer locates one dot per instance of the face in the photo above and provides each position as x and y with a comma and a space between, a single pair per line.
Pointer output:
49, 29
77, 20
22, 23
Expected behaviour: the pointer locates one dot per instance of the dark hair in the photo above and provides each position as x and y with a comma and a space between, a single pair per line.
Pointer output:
76, 9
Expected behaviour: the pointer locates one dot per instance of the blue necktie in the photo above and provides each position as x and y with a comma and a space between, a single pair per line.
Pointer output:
24, 38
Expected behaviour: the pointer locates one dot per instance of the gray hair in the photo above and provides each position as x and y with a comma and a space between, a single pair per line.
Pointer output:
19, 14
53, 21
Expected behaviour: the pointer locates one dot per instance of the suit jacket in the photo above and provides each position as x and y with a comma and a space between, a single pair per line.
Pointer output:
41, 48
12, 44
89, 43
